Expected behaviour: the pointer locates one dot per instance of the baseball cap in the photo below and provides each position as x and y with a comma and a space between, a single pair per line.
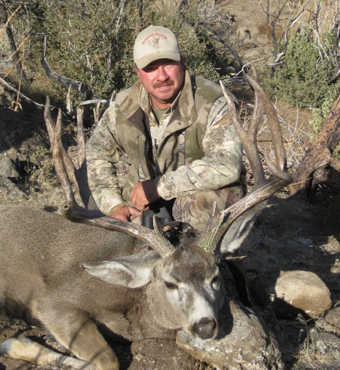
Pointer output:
154, 43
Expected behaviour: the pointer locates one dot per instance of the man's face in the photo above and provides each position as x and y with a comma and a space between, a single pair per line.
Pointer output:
162, 79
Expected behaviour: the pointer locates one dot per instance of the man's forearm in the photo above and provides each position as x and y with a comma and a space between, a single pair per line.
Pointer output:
199, 177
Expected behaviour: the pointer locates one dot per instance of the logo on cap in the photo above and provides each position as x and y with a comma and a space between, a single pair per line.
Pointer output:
154, 42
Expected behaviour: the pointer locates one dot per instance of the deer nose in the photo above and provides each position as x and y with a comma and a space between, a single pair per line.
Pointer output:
205, 328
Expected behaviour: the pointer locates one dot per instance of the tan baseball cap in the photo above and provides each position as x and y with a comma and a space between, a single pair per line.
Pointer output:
155, 43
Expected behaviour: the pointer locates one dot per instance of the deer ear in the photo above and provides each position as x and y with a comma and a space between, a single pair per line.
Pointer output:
132, 271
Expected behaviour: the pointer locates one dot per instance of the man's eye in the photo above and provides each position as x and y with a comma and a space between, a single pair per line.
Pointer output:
149, 69
170, 285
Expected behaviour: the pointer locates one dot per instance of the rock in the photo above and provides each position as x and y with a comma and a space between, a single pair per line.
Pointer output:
7, 168
292, 292
8, 189
304, 290
244, 342
333, 317
324, 342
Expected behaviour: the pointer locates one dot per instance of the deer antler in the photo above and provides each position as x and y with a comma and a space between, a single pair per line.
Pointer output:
91, 215
263, 188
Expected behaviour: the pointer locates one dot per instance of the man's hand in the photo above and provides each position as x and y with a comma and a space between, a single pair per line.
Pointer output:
126, 213
144, 193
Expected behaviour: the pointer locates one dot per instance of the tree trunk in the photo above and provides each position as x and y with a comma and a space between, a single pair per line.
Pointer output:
318, 157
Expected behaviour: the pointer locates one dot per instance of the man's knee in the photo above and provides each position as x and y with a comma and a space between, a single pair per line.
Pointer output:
196, 208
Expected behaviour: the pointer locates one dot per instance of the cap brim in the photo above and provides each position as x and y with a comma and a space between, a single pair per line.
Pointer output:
143, 62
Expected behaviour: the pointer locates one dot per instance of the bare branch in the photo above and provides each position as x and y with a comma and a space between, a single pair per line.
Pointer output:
23, 96
56, 77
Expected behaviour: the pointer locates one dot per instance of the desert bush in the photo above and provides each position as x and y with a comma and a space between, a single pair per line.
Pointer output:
91, 41
304, 75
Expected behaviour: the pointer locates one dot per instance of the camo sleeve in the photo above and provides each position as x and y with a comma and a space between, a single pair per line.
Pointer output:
103, 152
220, 166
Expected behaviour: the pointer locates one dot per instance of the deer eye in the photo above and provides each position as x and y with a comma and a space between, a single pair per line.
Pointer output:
170, 285
215, 281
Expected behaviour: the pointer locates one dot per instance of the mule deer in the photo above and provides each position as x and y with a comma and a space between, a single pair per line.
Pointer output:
71, 276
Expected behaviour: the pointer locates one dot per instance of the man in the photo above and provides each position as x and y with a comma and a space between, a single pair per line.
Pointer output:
176, 131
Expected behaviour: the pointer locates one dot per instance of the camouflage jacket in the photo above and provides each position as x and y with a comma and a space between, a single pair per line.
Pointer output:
193, 148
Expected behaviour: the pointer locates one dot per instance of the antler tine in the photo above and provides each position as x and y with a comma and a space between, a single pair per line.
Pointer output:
81, 172
92, 216
59, 163
54, 131
51, 127
263, 188
280, 169
248, 138
48, 119
80, 137
63, 162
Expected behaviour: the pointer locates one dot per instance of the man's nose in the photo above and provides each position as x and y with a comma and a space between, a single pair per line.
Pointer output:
162, 74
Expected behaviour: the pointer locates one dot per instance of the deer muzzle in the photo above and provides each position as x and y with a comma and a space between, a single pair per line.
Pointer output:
205, 328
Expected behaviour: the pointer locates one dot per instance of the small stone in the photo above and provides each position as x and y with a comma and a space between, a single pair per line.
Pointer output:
324, 341
138, 357
333, 317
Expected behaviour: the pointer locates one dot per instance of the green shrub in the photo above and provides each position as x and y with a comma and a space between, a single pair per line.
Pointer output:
319, 116
91, 41
303, 78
